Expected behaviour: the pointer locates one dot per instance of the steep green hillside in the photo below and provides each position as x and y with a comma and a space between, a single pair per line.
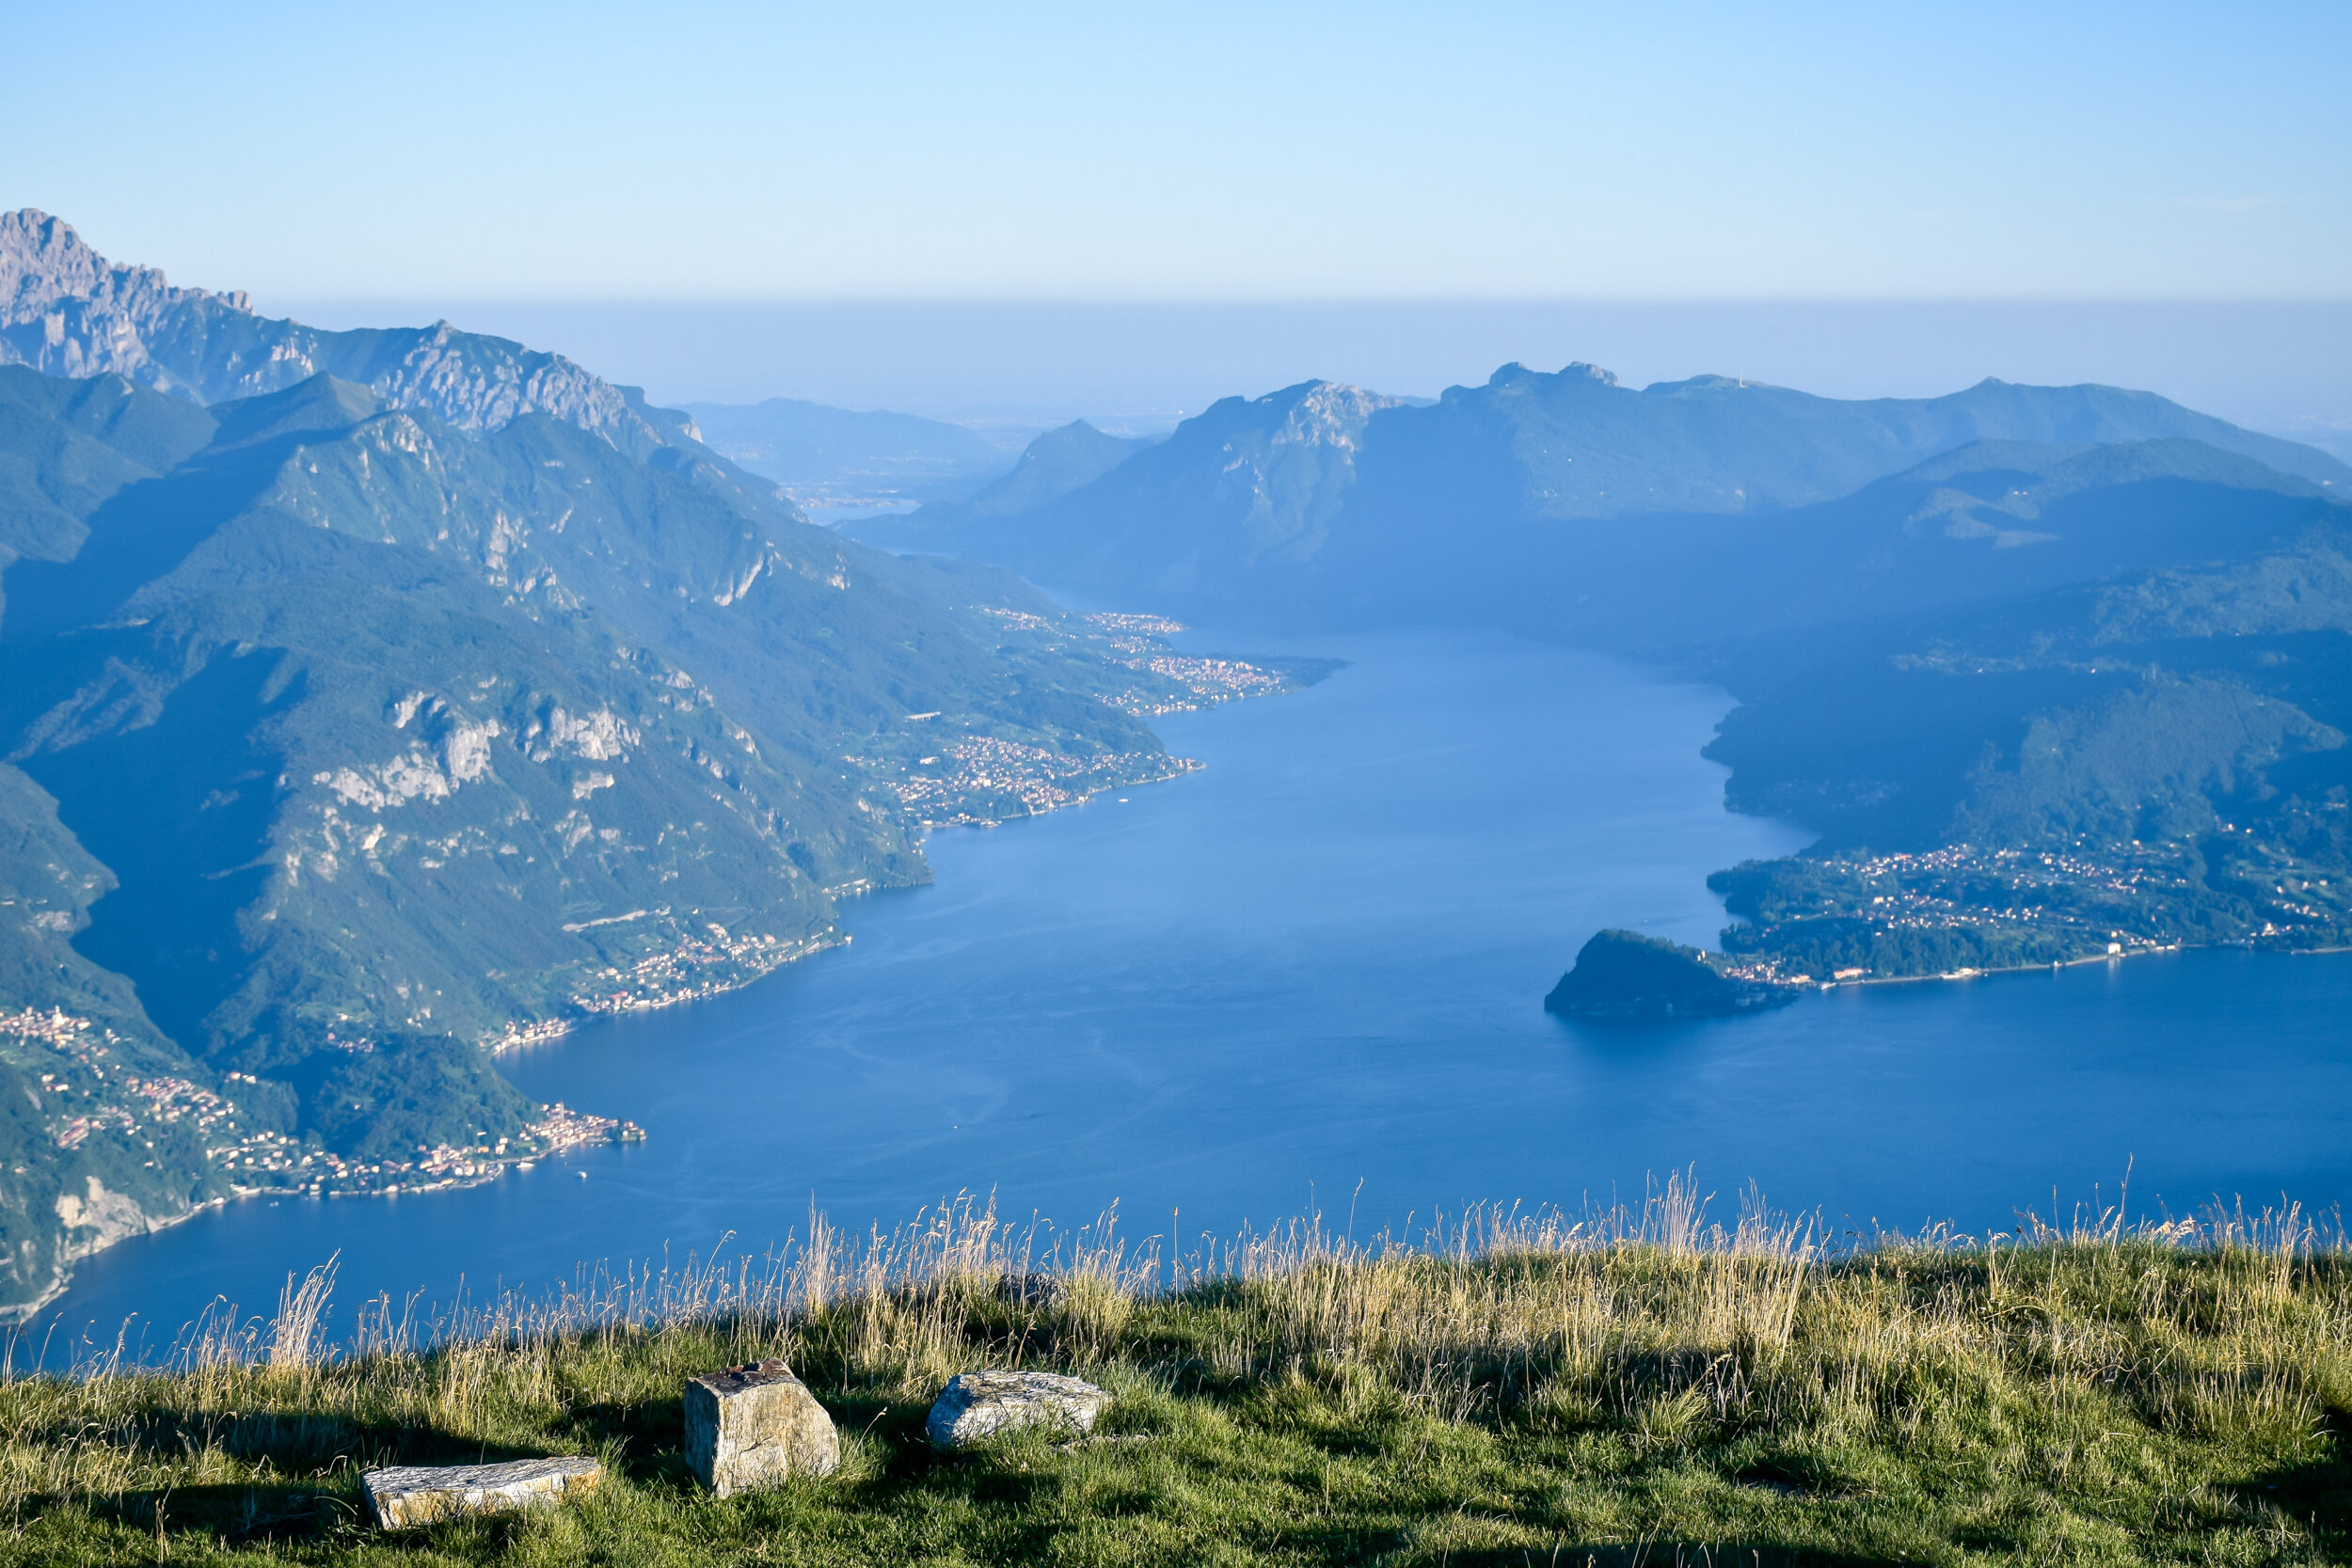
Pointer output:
2151, 758
343, 745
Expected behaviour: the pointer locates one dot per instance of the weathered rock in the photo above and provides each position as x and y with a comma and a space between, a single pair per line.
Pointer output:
419, 1493
975, 1405
754, 1426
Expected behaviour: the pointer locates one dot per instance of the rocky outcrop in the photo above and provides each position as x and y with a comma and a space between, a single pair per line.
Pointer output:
756, 1426
67, 311
976, 1406
409, 1495
97, 1219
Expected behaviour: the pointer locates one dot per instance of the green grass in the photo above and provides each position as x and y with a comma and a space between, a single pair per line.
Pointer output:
1530, 1392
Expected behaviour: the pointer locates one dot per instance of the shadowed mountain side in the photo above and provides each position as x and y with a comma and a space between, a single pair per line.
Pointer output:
1506, 502
1988, 521
1247, 487
67, 445
2150, 758
70, 1155
1051, 466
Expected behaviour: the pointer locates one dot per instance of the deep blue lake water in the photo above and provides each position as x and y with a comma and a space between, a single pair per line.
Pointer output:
1312, 974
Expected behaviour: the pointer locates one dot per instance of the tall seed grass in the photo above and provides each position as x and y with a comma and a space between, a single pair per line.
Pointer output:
1799, 1360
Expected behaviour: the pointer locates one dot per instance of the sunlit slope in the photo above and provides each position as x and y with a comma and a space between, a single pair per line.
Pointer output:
468, 693
356, 742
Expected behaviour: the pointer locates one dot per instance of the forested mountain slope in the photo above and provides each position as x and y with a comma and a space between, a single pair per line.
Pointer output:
348, 732
2146, 758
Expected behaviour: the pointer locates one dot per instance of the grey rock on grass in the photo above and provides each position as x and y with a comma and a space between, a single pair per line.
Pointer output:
978, 1406
755, 1426
409, 1494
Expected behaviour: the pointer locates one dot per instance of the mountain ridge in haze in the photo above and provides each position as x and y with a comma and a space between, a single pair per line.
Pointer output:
1501, 473
826, 455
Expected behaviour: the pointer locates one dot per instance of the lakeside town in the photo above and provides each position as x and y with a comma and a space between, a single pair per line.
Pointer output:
972, 780
1963, 909
91, 1100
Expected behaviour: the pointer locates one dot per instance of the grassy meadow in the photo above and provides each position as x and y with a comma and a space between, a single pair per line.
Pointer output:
1635, 1387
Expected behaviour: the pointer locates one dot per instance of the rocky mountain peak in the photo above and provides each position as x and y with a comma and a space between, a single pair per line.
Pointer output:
45, 263
1320, 413
67, 311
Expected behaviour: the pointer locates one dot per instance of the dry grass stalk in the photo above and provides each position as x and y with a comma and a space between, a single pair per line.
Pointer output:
1675, 1335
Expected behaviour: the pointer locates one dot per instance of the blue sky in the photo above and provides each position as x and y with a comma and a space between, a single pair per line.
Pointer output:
1197, 153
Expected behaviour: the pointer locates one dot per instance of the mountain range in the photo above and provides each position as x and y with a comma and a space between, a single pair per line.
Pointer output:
2053, 671
1324, 505
374, 700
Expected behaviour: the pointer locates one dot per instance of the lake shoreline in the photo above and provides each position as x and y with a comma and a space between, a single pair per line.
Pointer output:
2057, 964
2054, 965
1308, 967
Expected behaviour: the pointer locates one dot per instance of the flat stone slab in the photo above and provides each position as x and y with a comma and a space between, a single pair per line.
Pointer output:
409, 1494
978, 1406
755, 1426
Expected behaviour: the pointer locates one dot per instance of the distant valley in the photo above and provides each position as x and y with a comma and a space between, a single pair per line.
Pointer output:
840, 461
2054, 673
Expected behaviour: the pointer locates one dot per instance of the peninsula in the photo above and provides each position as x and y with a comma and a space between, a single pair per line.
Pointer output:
1628, 976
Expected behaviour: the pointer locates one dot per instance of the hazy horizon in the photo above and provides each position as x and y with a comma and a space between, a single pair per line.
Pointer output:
2281, 367
957, 213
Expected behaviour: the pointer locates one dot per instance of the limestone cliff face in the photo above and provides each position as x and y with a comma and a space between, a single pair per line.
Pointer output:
65, 310
97, 1219
1291, 466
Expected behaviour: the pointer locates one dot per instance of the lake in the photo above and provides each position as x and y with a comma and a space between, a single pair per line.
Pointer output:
1312, 976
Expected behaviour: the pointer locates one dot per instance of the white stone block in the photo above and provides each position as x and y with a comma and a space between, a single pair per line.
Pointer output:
419, 1493
755, 1426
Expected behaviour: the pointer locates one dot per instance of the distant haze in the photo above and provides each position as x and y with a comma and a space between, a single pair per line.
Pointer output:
2283, 368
